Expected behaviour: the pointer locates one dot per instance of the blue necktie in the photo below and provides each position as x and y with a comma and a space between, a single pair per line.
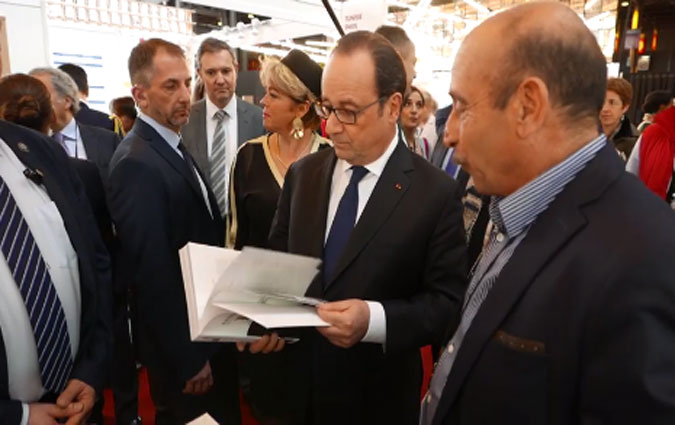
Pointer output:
343, 224
39, 294
451, 167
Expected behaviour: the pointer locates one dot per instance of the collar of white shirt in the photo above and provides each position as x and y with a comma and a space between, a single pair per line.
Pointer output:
70, 130
230, 109
376, 167
170, 136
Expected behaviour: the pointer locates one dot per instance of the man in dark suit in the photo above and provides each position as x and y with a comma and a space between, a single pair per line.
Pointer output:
69, 266
388, 227
160, 200
78, 140
569, 316
86, 115
220, 122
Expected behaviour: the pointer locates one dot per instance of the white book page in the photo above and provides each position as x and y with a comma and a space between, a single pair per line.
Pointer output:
202, 266
270, 272
277, 316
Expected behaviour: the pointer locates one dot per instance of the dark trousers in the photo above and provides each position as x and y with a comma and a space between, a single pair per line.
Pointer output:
124, 377
174, 408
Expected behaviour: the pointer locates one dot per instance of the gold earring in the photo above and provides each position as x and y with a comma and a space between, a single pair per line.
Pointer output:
298, 129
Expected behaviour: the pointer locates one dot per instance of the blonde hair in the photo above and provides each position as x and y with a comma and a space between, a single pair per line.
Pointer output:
274, 72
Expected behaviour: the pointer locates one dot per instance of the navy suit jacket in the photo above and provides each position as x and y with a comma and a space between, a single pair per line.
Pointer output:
158, 207
95, 118
407, 251
579, 327
100, 145
66, 191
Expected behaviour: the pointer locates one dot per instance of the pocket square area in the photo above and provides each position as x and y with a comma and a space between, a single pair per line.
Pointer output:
523, 345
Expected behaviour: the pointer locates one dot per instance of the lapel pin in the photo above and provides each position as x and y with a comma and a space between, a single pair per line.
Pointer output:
22, 147
398, 186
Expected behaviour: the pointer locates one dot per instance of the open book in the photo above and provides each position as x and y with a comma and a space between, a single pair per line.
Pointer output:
227, 290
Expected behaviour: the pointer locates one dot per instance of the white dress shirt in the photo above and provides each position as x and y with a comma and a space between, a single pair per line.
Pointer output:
377, 327
73, 139
173, 139
49, 232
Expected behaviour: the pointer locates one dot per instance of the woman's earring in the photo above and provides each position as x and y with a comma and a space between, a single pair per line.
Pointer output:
298, 129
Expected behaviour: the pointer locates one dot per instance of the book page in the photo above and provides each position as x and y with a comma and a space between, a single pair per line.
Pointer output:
277, 316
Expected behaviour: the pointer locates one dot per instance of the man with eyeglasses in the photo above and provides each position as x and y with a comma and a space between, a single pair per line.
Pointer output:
388, 226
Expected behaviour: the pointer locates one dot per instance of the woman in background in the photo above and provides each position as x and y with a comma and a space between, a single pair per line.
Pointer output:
293, 86
410, 120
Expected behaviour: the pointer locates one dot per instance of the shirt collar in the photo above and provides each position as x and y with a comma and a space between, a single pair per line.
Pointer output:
513, 213
376, 167
70, 130
170, 136
230, 109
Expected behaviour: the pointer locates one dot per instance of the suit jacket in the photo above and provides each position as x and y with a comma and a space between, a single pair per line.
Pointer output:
65, 190
249, 126
100, 145
579, 328
157, 207
95, 118
407, 252
93, 188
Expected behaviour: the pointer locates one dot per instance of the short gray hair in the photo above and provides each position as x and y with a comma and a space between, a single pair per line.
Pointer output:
63, 84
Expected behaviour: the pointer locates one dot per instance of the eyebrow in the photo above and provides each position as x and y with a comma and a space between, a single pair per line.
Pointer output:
457, 97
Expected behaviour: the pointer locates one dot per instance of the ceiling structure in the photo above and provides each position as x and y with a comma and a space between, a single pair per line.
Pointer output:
272, 27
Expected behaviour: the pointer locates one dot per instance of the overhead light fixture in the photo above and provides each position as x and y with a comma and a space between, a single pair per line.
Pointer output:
625, 3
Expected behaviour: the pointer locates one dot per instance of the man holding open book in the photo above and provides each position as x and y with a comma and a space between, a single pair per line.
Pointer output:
388, 227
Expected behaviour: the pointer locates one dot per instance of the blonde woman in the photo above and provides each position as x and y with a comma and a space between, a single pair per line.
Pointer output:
293, 86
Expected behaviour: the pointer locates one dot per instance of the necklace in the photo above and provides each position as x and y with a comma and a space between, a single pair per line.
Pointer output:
285, 165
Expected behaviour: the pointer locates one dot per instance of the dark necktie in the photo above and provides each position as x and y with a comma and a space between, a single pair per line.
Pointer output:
189, 163
343, 224
451, 167
43, 305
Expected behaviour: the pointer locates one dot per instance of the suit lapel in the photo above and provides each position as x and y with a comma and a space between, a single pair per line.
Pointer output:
171, 156
559, 223
391, 186
315, 221
243, 123
201, 142
90, 143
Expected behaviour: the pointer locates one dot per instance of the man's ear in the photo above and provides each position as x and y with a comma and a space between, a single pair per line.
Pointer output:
530, 105
394, 104
139, 95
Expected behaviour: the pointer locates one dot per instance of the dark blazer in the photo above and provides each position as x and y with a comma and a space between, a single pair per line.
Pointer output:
579, 327
407, 252
157, 207
249, 126
93, 188
65, 189
95, 118
100, 145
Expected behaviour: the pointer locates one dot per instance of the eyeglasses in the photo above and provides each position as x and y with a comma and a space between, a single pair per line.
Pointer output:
345, 116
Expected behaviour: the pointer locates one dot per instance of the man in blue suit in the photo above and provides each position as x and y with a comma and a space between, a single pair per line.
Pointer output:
55, 329
159, 201
569, 317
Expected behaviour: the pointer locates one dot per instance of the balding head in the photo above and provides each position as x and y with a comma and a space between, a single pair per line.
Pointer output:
536, 73
549, 41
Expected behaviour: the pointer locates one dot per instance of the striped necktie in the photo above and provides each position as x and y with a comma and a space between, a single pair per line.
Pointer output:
61, 140
42, 302
219, 165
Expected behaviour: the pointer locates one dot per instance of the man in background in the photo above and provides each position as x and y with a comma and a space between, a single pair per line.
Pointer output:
220, 122
77, 140
85, 114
